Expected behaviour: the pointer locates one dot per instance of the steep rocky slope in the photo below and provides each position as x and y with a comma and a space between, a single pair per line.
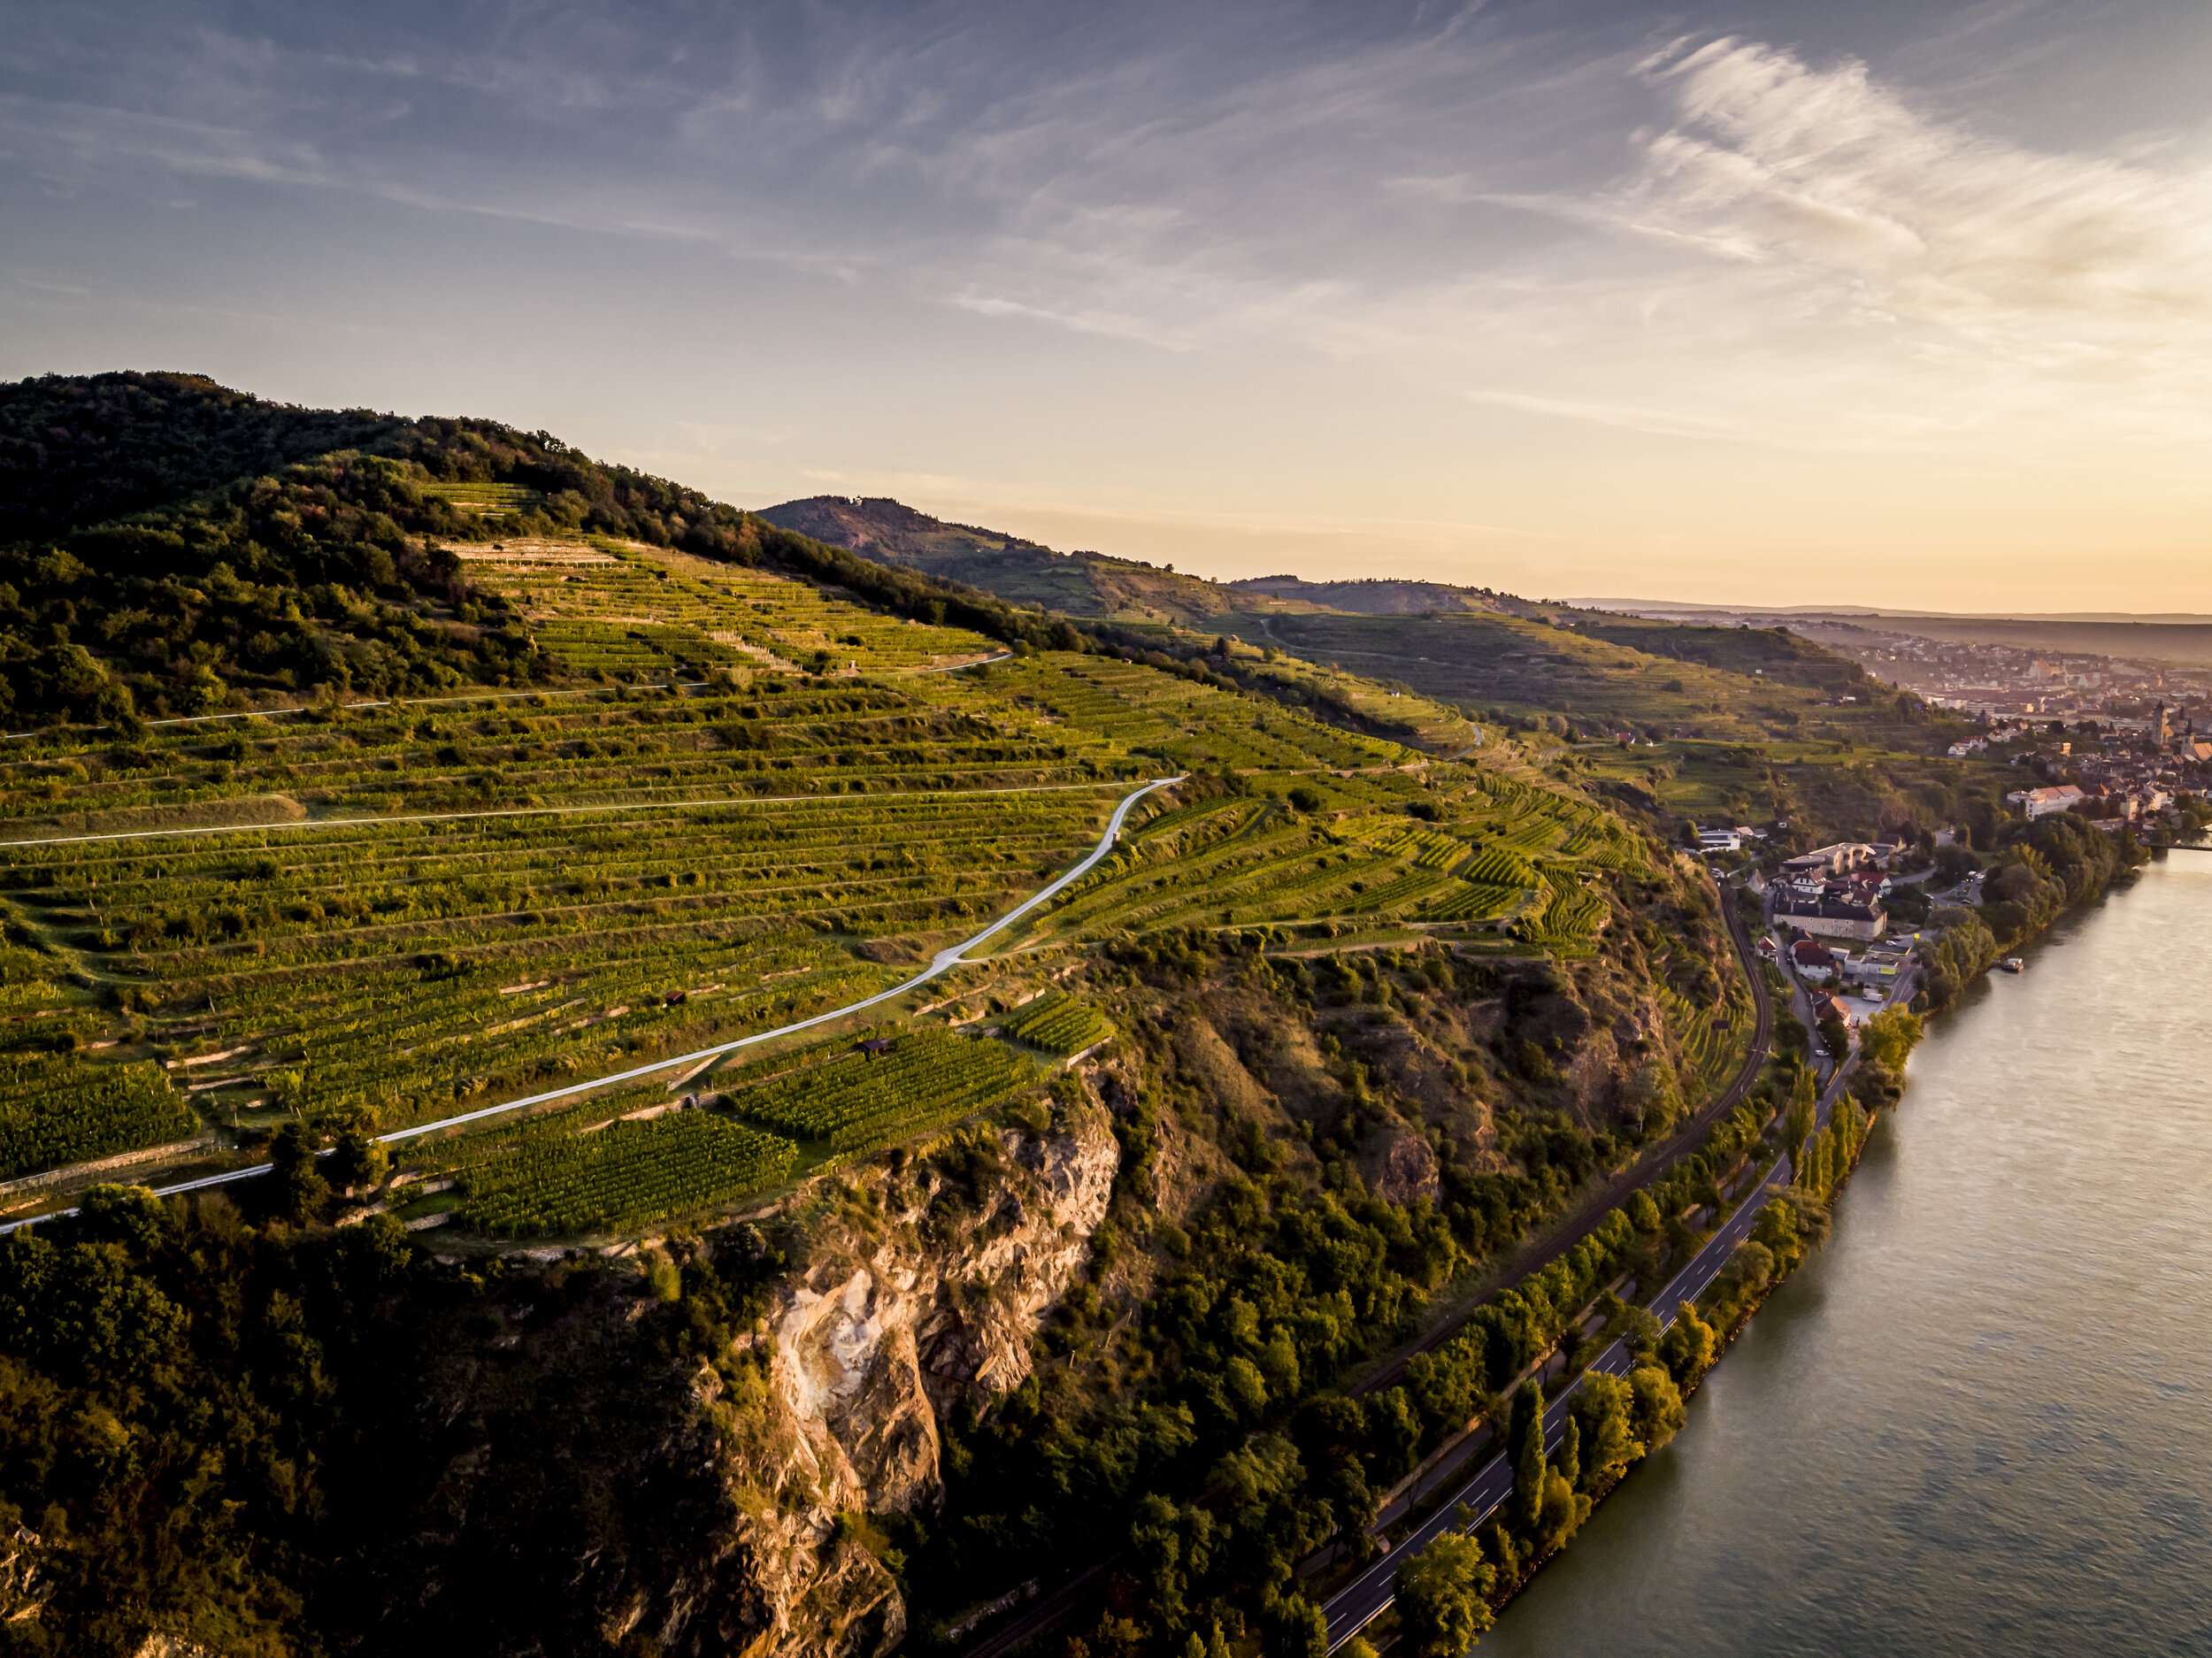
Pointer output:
922, 1291
907, 1292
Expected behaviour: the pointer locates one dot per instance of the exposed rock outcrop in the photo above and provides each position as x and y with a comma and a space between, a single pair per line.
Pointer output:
1406, 1172
25, 1585
921, 1288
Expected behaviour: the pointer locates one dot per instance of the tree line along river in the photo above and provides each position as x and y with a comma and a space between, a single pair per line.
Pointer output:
1976, 1422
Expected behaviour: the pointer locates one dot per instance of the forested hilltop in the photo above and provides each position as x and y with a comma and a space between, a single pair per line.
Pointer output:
169, 546
791, 1105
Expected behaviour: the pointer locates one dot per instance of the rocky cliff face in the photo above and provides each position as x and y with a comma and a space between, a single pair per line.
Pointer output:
923, 1287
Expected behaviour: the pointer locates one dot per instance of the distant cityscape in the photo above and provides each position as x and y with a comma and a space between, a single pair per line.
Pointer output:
2000, 681
2105, 737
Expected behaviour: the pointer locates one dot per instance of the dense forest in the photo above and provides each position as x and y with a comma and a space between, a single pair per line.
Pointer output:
226, 1421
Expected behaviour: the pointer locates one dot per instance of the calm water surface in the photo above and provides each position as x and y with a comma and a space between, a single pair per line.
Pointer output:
1980, 1422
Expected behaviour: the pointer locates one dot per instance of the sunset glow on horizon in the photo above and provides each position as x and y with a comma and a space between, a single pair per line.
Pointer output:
1767, 303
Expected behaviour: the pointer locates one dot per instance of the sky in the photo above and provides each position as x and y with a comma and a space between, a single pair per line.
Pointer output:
1765, 302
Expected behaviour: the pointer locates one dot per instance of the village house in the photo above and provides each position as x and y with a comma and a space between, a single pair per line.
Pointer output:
1812, 961
1823, 1006
1843, 858
1879, 965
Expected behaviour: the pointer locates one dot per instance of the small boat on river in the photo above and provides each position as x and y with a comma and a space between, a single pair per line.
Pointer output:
2014, 965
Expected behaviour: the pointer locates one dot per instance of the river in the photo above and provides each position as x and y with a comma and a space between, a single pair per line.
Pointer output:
1979, 1422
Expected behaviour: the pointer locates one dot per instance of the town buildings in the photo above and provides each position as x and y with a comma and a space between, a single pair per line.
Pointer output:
2041, 802
1813, 962
1837, 891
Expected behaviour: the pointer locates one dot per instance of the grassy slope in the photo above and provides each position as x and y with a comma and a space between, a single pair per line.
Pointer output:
390, 972
1461, 646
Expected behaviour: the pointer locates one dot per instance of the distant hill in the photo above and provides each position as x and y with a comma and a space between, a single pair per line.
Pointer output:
1019, 571
1470, 647
1383, 596
885, 528
2178, 640
1733, 612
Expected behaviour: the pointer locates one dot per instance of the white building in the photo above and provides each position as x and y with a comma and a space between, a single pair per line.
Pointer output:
2041, 802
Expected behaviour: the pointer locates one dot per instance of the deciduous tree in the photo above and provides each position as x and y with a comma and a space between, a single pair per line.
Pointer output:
1441, 1597
1659, 1413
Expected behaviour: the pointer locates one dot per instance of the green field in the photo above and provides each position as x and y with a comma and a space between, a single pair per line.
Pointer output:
1058, 1024
389, 914
624, 1174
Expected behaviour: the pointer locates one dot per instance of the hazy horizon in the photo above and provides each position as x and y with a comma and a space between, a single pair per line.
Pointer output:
1748, 303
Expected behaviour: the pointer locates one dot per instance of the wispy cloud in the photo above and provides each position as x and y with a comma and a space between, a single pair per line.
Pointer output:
1773, 160
1703, 238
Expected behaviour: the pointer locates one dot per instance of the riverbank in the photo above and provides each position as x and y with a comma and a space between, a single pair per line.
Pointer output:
1760, 1267
1969, 1424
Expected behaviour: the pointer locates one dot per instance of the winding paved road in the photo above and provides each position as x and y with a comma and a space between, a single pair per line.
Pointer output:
944, 960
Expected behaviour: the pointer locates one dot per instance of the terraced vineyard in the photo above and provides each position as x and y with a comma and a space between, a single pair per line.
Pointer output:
623, 1175
625, 610
55, 1111
1058, 1024
854, 1099
1501, 850
1713, 1039
774, 737
1200, 728
403, 970
1570, 914
392, 913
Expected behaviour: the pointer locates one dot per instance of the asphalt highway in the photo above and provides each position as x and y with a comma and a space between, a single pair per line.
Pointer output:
1363, 1599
